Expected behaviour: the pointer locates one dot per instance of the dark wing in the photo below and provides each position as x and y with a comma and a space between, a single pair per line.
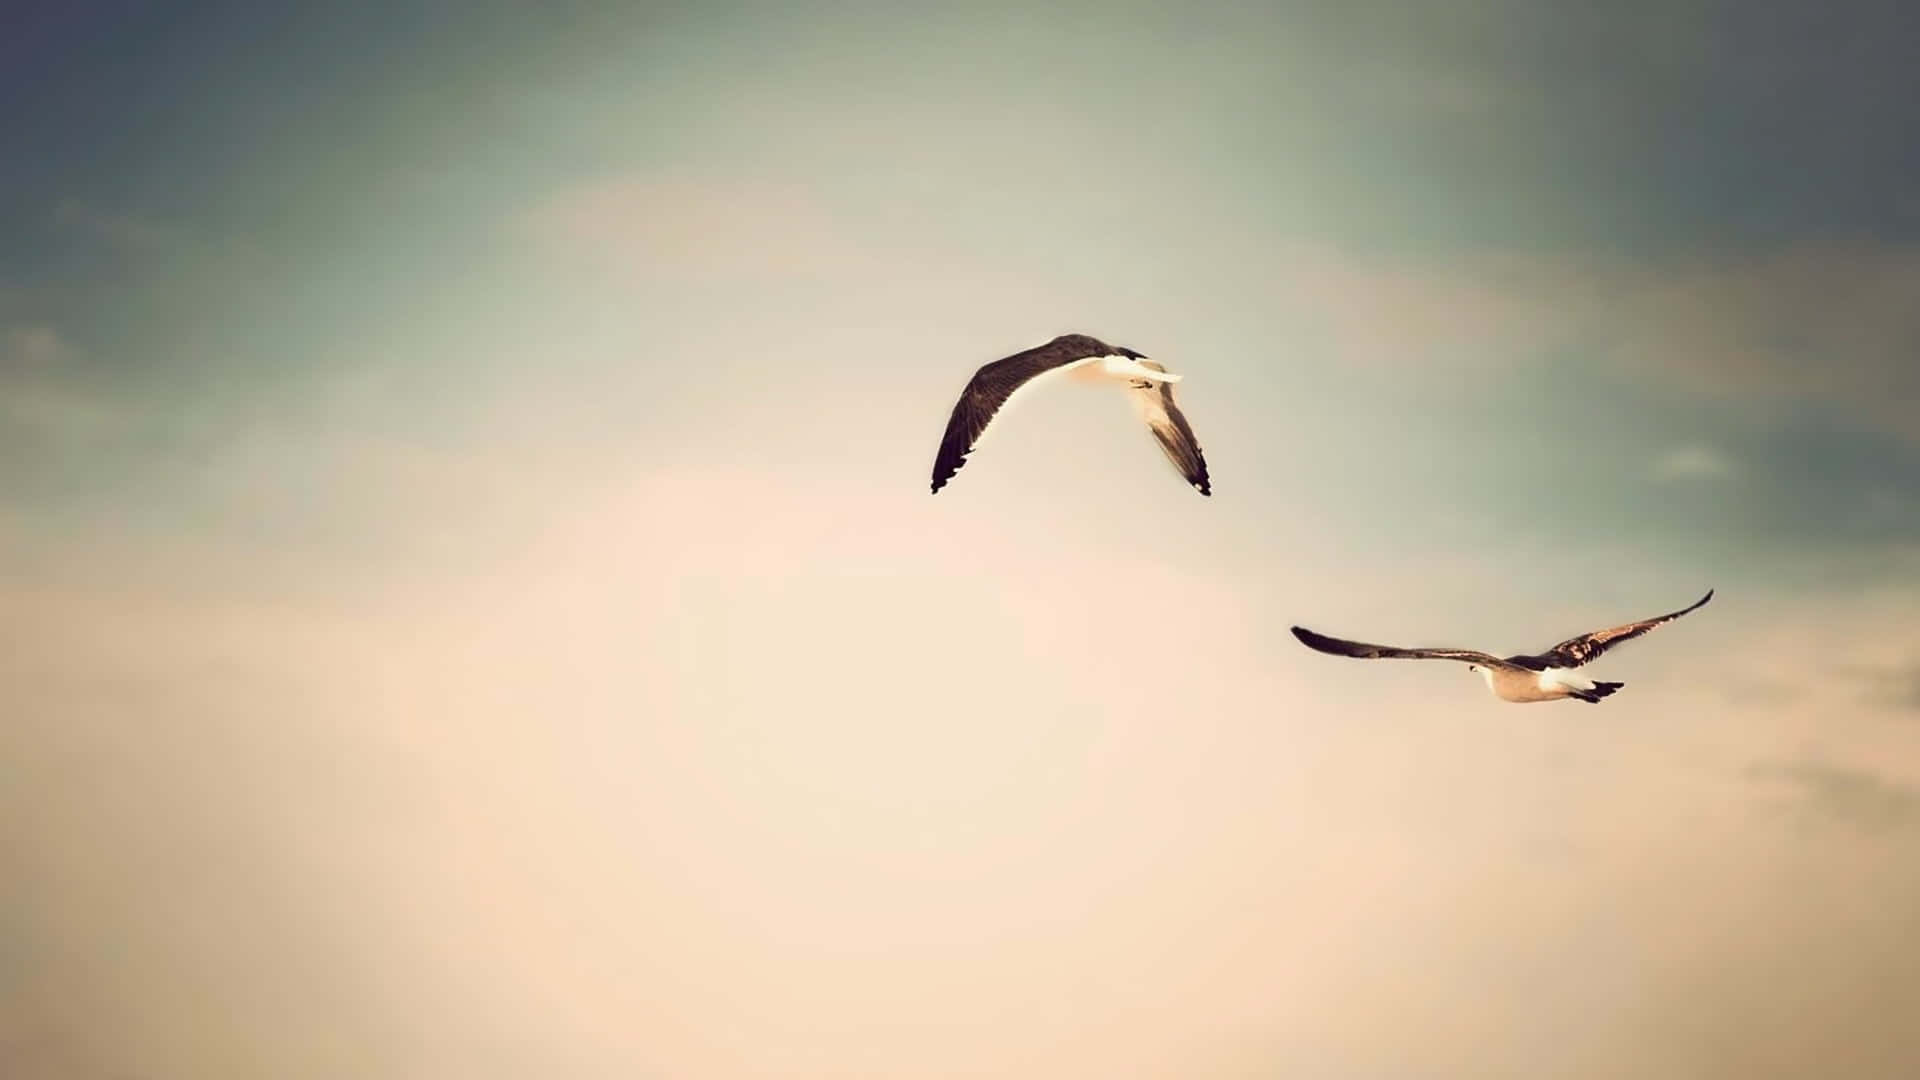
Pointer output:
1170, 428
1363, 651
1576, 651
987, 392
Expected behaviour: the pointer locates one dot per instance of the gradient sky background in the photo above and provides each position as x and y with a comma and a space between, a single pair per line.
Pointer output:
474, 608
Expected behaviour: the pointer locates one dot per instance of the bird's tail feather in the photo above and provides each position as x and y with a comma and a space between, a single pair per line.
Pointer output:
1599, 690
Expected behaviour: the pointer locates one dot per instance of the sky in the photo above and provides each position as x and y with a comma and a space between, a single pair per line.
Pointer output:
476, 609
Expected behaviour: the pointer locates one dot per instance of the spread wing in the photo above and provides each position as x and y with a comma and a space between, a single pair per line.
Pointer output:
1576, 651
1363, 651
990, 389
1170, 428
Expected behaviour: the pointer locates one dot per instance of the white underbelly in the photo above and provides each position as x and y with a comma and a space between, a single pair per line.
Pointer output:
1525, 686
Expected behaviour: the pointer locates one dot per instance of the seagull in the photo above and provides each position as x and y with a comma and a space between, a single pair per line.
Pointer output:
1085, 359
1547, 676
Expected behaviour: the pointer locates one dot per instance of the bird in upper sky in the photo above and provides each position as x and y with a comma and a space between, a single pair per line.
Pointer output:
1084, 359
1547, 676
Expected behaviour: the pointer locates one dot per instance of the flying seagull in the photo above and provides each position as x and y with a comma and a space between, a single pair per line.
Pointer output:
1083, 359
1546, 676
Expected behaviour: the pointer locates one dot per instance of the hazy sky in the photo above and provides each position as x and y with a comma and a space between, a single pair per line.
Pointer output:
475, 609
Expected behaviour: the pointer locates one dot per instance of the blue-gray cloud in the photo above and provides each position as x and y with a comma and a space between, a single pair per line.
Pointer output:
1853, 796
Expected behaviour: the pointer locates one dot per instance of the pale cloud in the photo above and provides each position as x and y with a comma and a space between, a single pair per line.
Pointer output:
41, 397
743, 770
692, 229
118, 228
1692, 463
32, 350
1855, 796
1832, 324
1845, 648
1839, 325
1895, 684
1379, 312
1892, 508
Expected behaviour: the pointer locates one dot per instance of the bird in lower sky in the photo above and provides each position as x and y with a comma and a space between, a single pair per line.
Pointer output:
1547, 676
